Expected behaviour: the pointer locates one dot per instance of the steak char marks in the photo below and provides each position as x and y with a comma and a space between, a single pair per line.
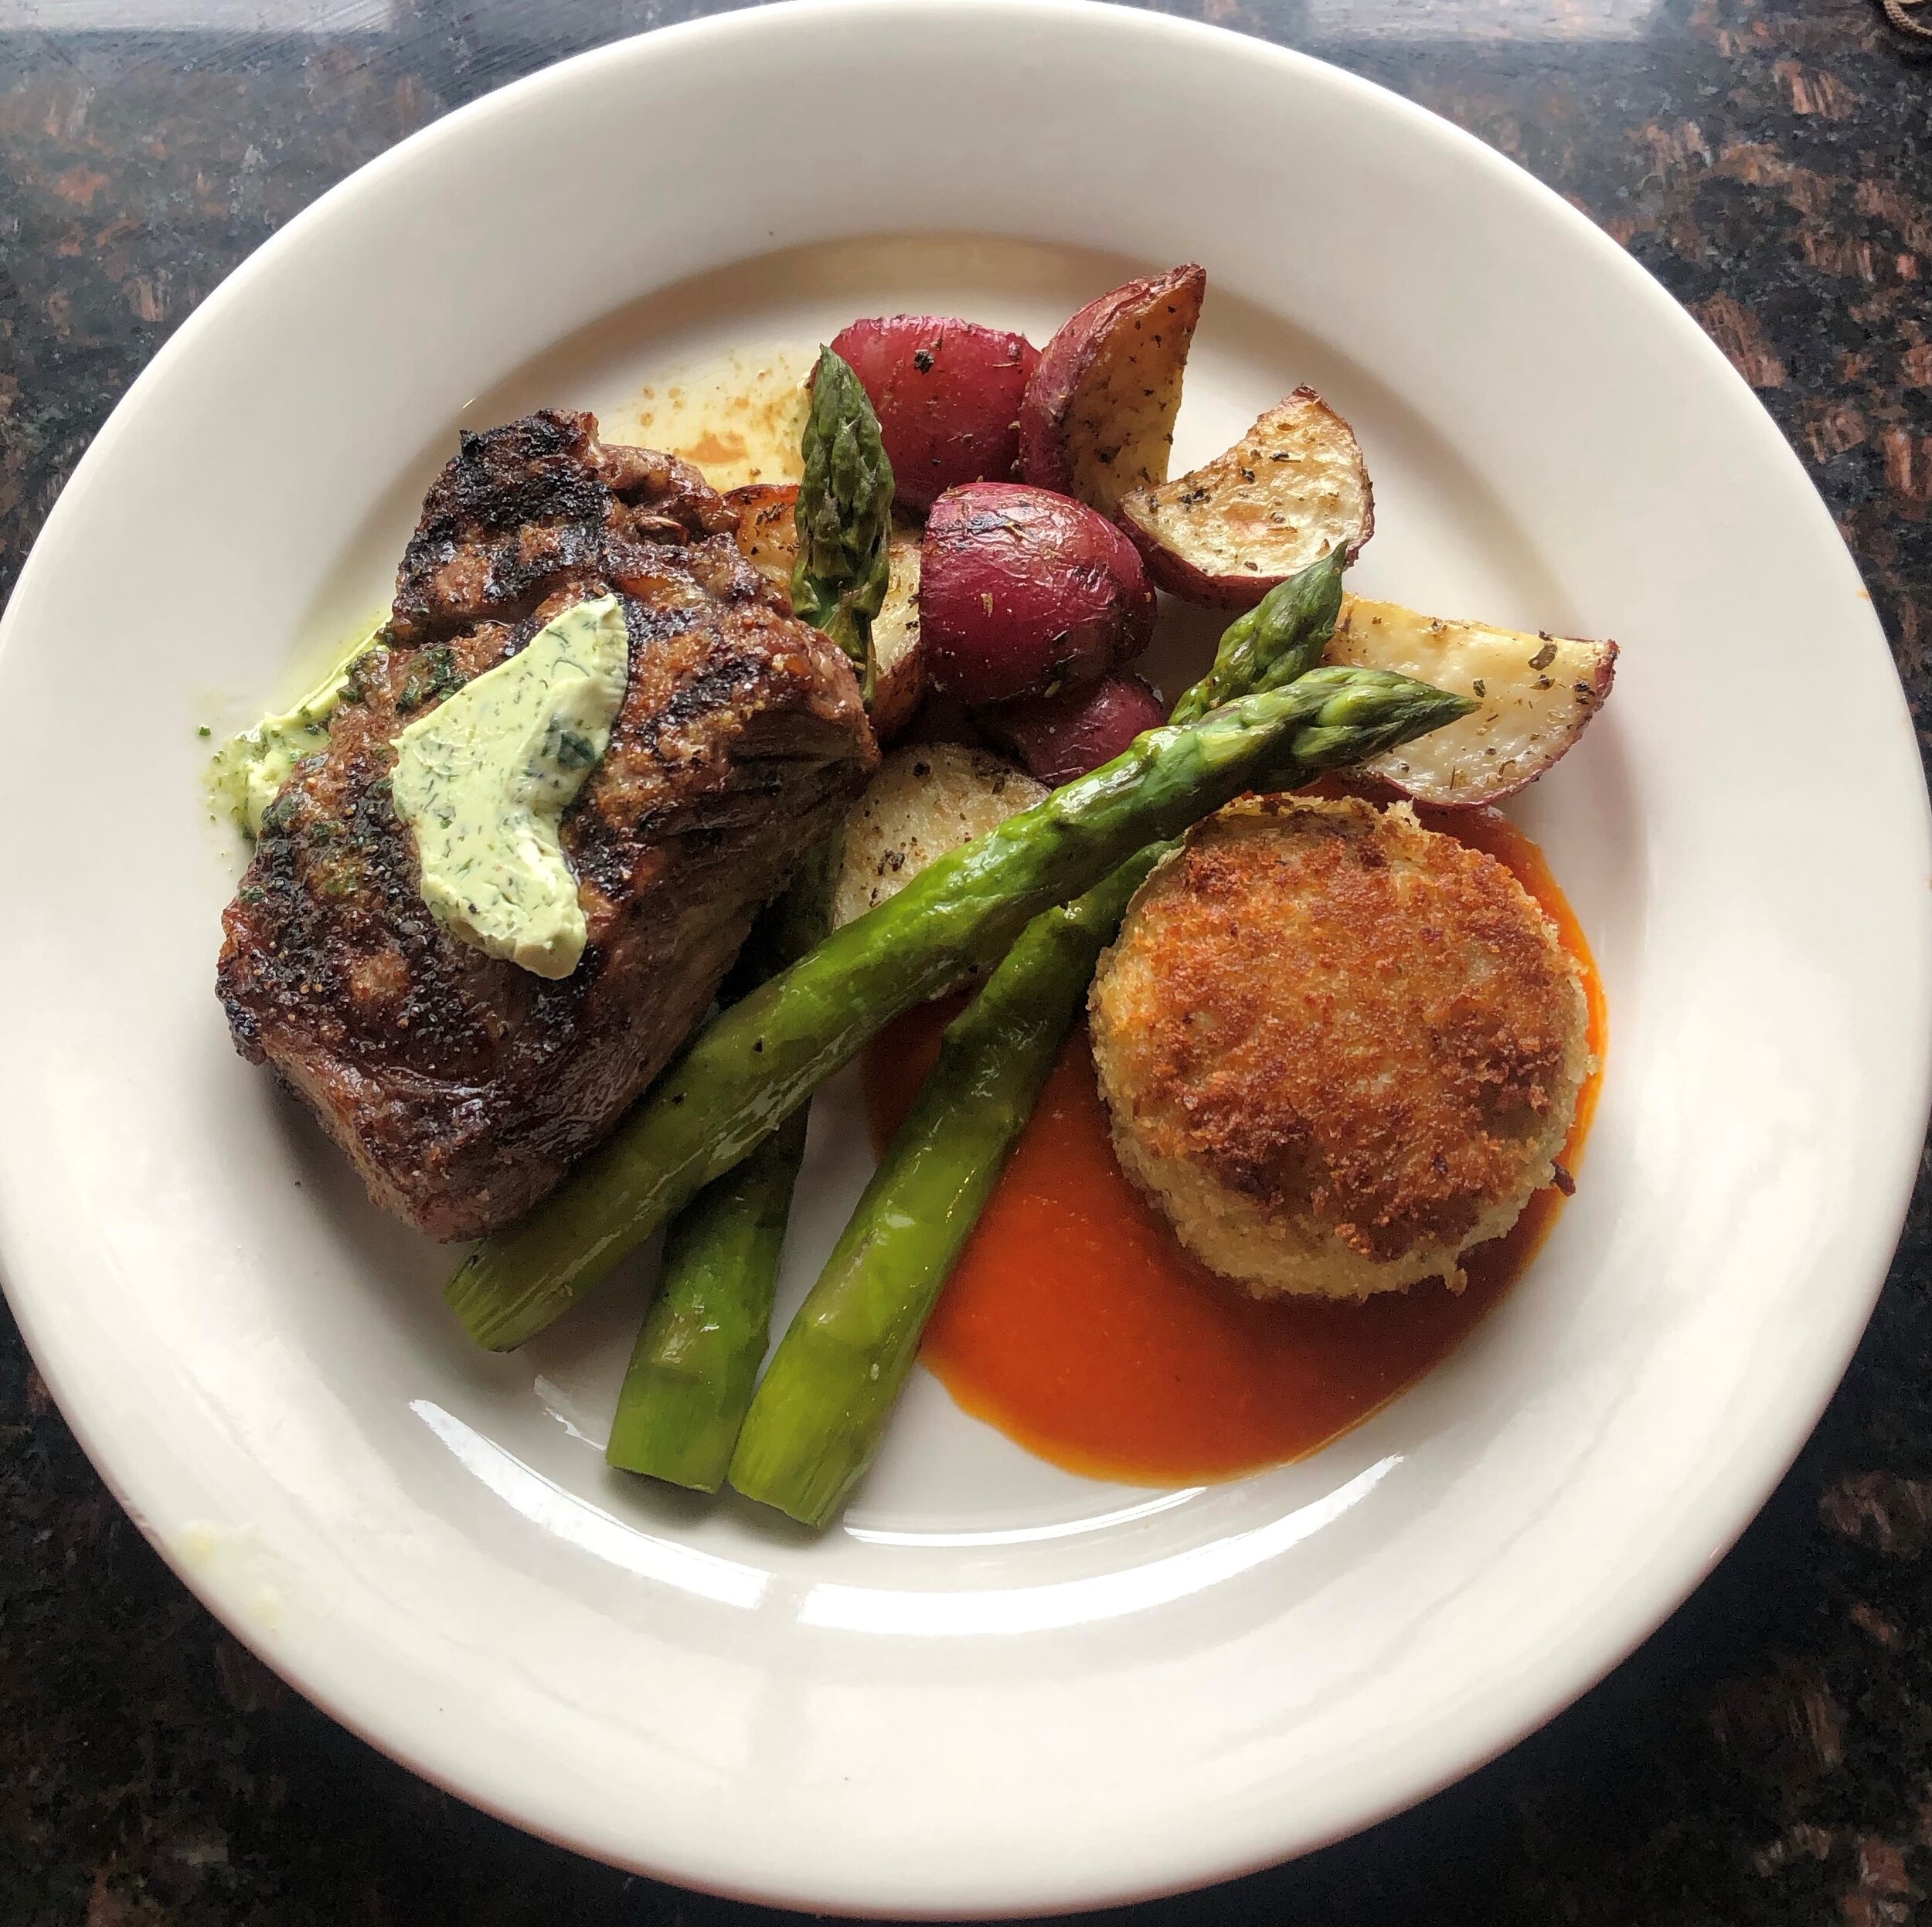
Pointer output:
463, 1087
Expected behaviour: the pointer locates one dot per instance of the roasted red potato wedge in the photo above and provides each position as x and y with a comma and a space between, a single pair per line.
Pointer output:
1535, 695
768, 539
898, 660
1022, 592
1098, 417
1291, 490
1062, 736
947, 395
926, 800
768, 529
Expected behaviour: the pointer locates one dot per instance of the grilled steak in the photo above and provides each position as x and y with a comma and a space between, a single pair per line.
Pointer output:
462, 1086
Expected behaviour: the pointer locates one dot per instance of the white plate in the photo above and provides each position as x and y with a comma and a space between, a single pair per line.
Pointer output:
996, 1686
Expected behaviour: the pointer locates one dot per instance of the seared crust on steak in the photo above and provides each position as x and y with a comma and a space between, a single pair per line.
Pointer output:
462, 1086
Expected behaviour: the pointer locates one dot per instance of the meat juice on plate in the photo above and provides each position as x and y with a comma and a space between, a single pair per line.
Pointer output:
737, 419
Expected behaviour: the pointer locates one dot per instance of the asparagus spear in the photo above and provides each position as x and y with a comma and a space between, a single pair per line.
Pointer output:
821, 1410
844, 515
696, 1358
697, 1354
818, 1419
747, 1071
1278, 640
691, 1377
690, 1380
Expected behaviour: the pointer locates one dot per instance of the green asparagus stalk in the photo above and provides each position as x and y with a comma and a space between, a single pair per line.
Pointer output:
820, 1413
691, 1376
697, 1356
821, 1410
748, 1070
1279, 639
696, 1361
844, 516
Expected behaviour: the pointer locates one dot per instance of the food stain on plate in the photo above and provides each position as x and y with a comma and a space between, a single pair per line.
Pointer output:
236, 1562
737, 418
1076, 1325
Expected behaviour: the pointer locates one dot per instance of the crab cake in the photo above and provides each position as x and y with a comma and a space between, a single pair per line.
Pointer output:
1337, 1048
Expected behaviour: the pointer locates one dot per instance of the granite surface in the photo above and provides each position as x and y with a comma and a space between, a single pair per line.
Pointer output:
1767, 1756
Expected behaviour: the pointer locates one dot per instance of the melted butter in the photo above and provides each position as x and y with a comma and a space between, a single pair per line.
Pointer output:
737, 419
484, 780
247, 772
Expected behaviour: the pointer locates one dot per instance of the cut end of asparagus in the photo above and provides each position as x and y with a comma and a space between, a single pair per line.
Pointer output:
498, 1316
672, 1428
806, 1480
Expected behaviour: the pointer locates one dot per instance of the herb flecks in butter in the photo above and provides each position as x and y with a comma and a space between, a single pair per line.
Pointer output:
485, 778
249, 770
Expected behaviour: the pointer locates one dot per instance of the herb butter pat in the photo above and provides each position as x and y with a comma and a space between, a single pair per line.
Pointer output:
249, 770
484, 781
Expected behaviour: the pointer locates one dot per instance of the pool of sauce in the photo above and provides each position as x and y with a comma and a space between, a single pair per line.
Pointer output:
1075, 1324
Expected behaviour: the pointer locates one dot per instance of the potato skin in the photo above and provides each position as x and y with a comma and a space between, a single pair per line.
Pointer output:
1535, 695
1294, 488
1098, 418
899, 656
947, 395
1024, 592
1061, 736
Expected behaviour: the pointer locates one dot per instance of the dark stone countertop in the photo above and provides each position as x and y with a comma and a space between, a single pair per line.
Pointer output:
1767, 1756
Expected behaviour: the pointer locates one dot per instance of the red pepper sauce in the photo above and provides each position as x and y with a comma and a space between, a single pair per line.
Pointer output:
1075, 1324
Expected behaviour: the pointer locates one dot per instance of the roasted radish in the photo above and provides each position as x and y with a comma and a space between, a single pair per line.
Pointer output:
1536, 694
1291, 490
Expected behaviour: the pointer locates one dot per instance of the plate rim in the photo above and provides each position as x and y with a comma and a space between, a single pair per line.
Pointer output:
1639, 1610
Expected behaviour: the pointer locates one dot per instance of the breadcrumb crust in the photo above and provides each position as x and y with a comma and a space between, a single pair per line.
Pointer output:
1337, 1048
